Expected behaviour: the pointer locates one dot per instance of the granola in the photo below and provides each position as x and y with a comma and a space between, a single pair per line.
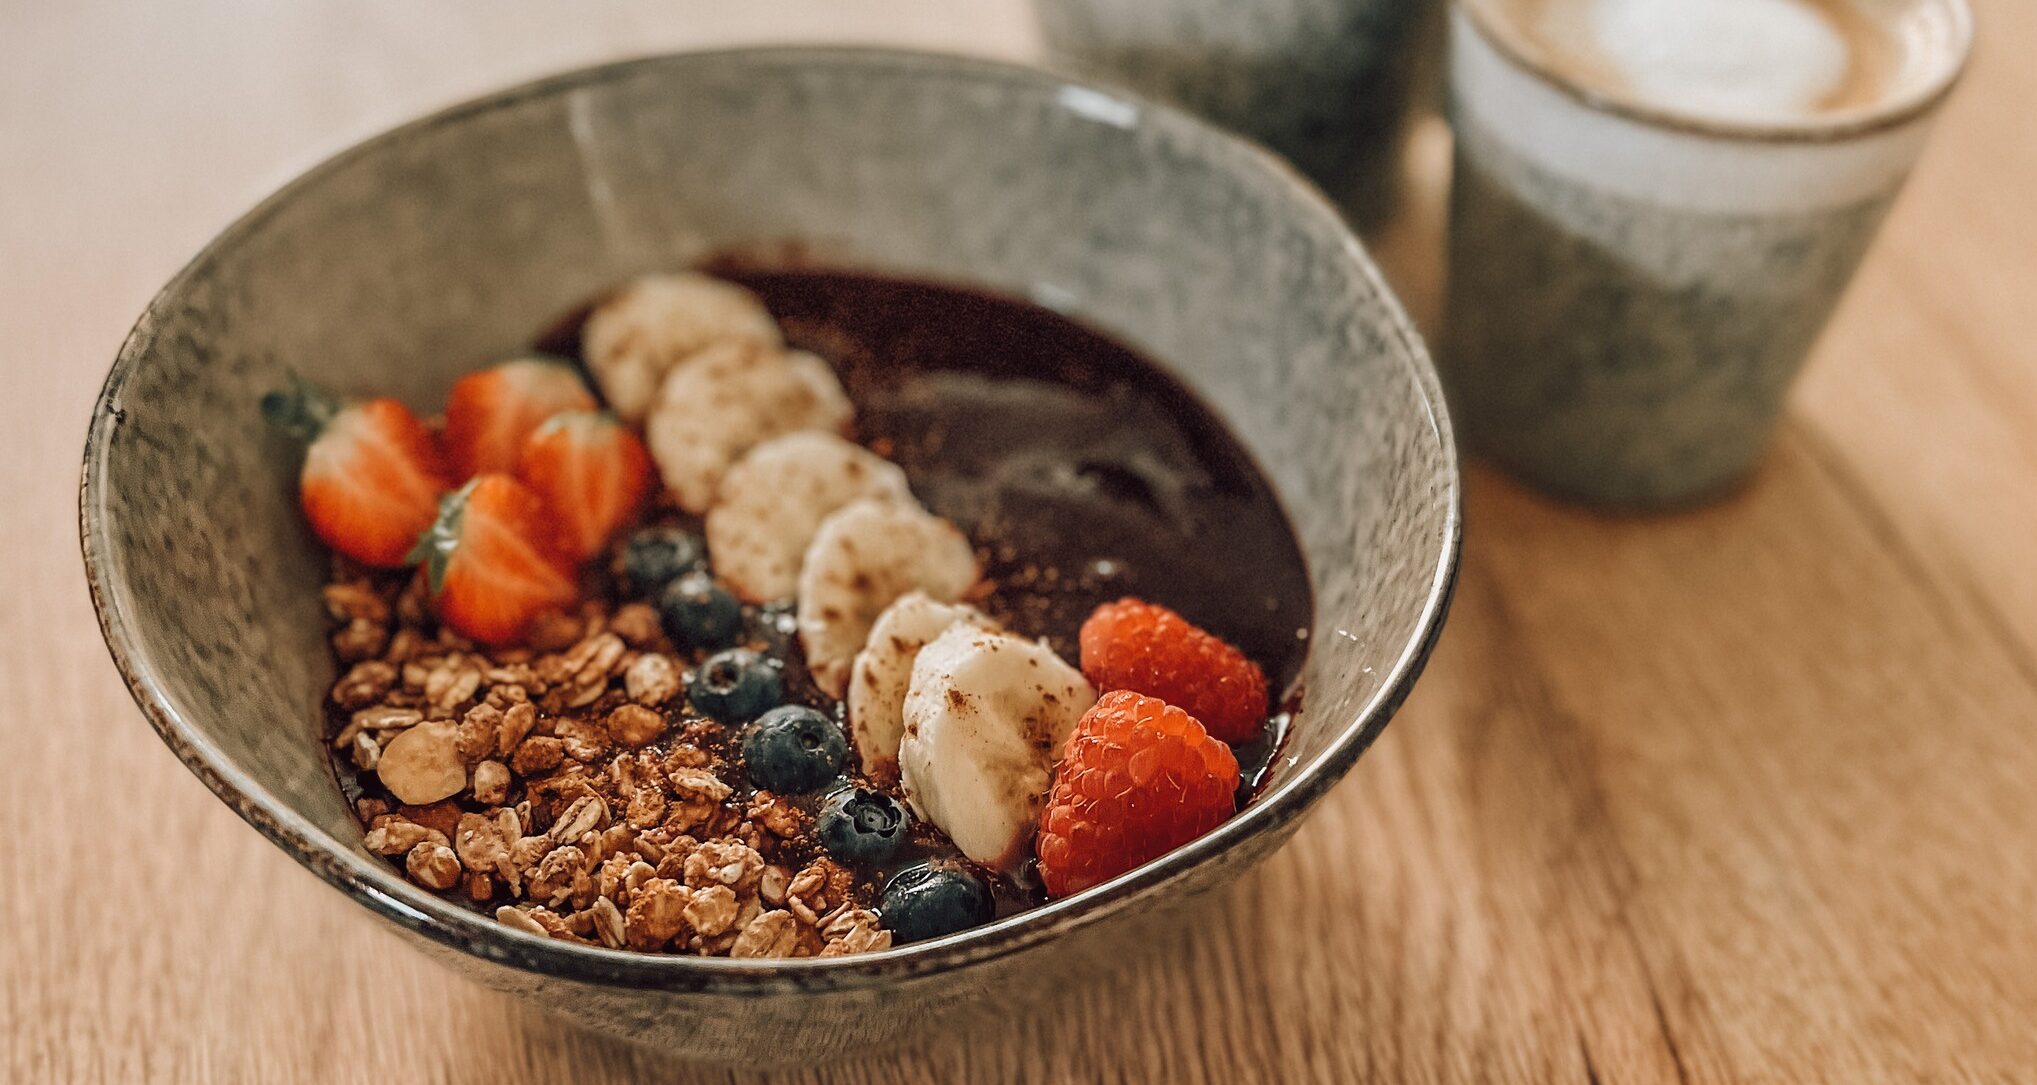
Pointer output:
569, 792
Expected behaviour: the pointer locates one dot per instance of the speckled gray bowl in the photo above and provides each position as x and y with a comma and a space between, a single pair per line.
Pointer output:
421, 253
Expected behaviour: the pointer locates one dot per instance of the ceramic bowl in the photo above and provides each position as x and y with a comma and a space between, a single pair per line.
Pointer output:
424, 252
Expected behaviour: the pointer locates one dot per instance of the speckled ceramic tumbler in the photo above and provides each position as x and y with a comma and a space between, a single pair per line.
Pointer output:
1631, 292
1326, 83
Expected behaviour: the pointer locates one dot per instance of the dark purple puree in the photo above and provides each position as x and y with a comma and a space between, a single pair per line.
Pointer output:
1082, 472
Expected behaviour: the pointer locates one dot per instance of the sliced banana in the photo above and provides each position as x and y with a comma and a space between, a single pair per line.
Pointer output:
984, 719
883, 672
865, 555
634, 338
727, 399
774, 499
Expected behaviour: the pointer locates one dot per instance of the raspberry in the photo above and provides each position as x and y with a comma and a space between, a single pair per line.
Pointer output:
1146, 648
1139, 779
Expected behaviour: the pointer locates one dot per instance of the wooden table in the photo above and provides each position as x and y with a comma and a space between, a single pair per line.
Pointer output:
1748, 793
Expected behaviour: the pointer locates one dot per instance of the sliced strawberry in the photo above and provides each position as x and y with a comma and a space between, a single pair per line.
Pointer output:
492, 560
372, 472
593, 474
491, 413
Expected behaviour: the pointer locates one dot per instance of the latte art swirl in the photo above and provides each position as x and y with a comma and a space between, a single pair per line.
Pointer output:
1734, 60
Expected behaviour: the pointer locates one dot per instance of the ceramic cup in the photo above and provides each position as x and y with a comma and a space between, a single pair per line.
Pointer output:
1326, 83
1631, 291
409, 260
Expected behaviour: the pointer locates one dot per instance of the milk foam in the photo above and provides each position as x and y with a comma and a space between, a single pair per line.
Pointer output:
1514, 76
1736, 58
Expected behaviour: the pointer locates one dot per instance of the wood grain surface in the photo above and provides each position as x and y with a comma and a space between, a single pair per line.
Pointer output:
1741, 794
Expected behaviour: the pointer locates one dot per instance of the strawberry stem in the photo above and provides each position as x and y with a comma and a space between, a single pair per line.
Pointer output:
435, 547
302, 410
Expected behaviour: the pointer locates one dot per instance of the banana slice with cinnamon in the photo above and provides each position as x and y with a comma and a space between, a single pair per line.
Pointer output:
727, 399
632, 339
774, 499
883, 672
864, 556
985, 717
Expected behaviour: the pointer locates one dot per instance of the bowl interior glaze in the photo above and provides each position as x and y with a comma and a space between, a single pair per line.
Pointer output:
404, 262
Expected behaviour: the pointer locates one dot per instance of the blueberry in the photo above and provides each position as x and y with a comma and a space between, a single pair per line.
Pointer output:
656, 556
933, 899
793, 749
857, 825
736, 685
698, 613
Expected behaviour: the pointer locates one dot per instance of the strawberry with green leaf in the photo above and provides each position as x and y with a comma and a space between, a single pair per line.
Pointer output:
493, 561
372, 472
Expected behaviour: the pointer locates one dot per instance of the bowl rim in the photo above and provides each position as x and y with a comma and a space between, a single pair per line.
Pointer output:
372, 883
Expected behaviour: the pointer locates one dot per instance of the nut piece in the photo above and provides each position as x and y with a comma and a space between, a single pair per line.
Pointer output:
634, 725
539, 753
772, 884
394, 835
511, 916
367, 753
386, 718
854, 930
698, 784
450, 683
586, 812
423, 765
608, 923
721, 862
583, 740
478, 730
554, 877
491, 782
712, 910
479, 844
611, 842
516, 723
810, 883
776, 815
698, 794
434, 866
771, 934
652, 680
656, 914
364, 684
594, 659
646, 808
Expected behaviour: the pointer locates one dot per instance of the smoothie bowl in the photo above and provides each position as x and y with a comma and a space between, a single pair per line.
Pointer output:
795, 548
